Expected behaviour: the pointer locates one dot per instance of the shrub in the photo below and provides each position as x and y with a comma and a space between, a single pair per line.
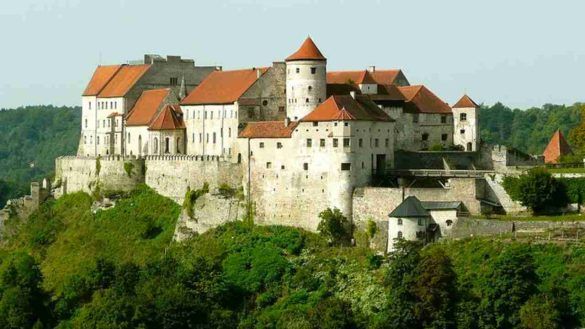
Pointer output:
98, 165
128, 167
192, 196
335, 227
226, 191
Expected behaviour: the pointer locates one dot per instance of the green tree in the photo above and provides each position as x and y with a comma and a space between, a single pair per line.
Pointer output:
540, 191
335, 227
577, 134
540, 312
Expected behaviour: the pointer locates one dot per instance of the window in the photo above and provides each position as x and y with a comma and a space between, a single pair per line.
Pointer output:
346, 124
415, 117
360, 142
310, 88
264, 102
104, 123
200, 137
462, 131
155, 145
449, 222
281, 109
167, 145
91, 139
97, 140
387, 142
128, 138
84, 139
346, 166
399, 222
322, 142
207, 138
309, 142
399, 235
298, 70
210, 114
463, 116
425, 137
316, 124
376, 142
261, 145
346, 142
229, 132
305, 166
443, 119
313, 70
111, 105
193, 138
444, 137
89, 104
214, 138
85, 123
268, 165
306, 100
174, 81
335, 142
420, 222
278, 145
282, 167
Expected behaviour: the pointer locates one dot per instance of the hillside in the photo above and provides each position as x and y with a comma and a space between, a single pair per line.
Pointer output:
67, 267
30, 139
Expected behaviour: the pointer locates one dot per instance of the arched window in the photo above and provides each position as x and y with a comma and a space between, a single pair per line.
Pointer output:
399, 221
178, 145
239, 157
155, 146
310, 88
139, 144
399, 235
167, 145
306, 100
128, 138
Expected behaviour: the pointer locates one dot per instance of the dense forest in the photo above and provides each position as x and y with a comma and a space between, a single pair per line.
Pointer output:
30, 139
69, 267
527, 130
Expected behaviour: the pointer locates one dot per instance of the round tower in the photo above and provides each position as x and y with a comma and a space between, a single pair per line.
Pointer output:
306, 80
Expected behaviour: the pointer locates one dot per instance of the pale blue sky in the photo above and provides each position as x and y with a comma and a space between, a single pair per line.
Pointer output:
523, 53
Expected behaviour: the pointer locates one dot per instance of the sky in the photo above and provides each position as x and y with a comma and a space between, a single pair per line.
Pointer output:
521, 53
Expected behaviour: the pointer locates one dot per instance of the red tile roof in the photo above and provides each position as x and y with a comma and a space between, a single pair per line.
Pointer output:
345, 107
382, 77
123, 80
222, 87
419, 99
307, 51
464, 102
268, 129
147, 105
556, 148
168, 119
101, 76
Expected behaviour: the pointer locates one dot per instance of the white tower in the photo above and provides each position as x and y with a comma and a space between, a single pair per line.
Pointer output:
466, 124
306, 80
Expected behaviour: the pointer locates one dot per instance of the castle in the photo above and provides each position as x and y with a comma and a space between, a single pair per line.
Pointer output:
296, 138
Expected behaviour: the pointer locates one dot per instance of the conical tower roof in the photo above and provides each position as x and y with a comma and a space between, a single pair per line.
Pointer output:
464, 102
410, 207
556, 148
307, 51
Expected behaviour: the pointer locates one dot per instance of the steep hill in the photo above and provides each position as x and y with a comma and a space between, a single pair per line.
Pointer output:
69, 267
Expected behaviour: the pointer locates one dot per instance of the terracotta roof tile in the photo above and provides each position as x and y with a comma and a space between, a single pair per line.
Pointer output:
101, 76
168, 119
268, 129
382, 77
223, 87
419, 99
147, 105
345, 107
307, 51
123, 81
556, 148
464, 102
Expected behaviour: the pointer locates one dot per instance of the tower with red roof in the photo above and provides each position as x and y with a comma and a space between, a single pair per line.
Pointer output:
306, 80
466, 124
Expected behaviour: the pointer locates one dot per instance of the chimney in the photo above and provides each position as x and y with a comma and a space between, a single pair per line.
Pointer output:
286, 121
372, 68
352, 94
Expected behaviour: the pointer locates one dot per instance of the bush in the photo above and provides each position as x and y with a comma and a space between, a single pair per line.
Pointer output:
226, 191
128, 167
335, 227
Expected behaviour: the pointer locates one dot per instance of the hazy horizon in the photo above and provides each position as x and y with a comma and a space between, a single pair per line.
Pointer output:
521, 53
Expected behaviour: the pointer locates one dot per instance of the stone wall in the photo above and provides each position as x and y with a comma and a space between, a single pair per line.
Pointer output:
470, 227
88, 173
170, 175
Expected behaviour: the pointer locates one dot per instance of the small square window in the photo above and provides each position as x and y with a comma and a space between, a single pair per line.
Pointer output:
261, 145
282, 167
425, 137
309, 142
399, 222
443, 119
313, 70
298, 70
335, 142
444, 137
346, 124
346, 166
322, 142
278, 145
305, 166
315, 124
346, 142
463, 116
462, 131
268, 165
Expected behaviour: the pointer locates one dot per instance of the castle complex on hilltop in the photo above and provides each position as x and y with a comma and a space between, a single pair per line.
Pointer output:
296, 138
